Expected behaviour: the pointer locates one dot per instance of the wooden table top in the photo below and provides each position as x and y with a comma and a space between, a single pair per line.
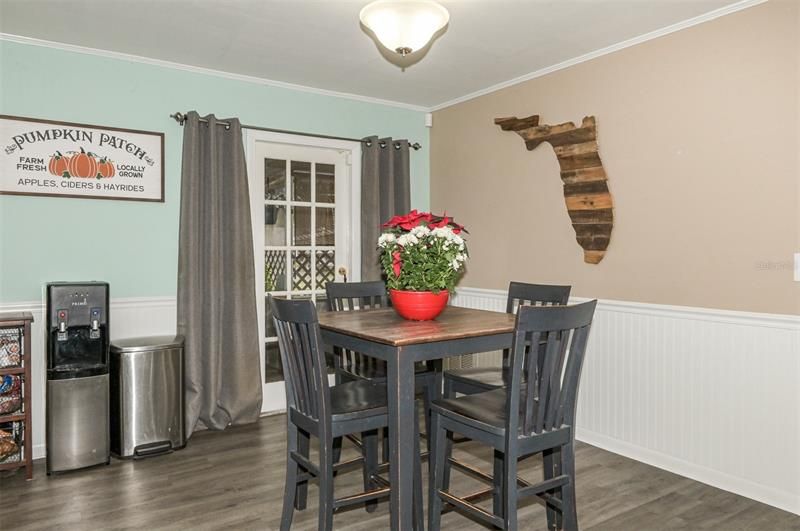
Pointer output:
385, 326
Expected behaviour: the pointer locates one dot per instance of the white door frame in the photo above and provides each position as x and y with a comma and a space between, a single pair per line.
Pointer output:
275, 401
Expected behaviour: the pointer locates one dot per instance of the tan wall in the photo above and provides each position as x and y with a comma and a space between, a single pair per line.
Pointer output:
698, 132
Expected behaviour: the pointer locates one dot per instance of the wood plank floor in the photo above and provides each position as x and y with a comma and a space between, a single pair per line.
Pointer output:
234, 480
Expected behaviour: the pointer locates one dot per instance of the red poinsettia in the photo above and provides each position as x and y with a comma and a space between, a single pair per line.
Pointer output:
415, 218
408, 221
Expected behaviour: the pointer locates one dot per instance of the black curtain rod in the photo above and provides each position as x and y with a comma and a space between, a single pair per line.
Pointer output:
181, 118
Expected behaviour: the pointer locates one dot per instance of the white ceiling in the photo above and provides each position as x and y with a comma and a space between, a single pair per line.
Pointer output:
320, 44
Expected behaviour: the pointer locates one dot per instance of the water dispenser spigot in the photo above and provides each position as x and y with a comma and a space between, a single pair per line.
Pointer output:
94, 333
62, 325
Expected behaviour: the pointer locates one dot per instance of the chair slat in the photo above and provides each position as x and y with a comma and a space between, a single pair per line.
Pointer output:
551, 351
572, 374
554, 402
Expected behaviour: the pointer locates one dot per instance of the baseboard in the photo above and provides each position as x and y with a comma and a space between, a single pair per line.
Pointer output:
39, 451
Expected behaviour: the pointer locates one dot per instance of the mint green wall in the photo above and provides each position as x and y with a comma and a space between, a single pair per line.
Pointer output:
134, 245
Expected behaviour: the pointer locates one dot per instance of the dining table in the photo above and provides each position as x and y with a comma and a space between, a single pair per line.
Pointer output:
383, 334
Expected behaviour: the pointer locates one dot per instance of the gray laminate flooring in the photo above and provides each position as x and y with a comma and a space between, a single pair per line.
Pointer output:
234, 480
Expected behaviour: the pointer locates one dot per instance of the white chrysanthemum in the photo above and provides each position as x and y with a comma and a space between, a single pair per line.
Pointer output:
407, 239
420, 231
461, 257
443, 232
386, 239
455, 264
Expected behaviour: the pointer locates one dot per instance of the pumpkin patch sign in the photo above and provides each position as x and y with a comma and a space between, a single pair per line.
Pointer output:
62, 159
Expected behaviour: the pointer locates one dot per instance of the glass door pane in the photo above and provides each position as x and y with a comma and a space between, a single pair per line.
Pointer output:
300, 239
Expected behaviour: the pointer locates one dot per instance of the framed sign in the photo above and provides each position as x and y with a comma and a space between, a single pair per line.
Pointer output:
62, 159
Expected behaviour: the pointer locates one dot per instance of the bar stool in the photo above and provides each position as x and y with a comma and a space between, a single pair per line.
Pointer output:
530, 416
473, 380
313, 408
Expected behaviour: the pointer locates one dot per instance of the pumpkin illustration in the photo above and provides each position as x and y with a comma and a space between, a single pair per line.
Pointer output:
83, 165
105, 168
58, 164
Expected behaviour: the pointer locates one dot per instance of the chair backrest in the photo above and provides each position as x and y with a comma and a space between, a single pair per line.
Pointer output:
356, 296
547, 398
349, 296
522, 294
303, 357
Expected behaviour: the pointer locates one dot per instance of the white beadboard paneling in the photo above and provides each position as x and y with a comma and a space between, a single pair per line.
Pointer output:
480, 299
713, 395
129, 317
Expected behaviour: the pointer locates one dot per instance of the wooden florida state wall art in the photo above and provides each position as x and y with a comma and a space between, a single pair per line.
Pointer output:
585, 189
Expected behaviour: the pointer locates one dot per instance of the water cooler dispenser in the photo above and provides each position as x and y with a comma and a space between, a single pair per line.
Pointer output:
77, 375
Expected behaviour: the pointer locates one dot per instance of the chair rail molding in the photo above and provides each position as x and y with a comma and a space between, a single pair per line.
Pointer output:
680, 388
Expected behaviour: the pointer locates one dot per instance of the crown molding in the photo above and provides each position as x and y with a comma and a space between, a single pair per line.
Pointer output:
706, 17
19, 39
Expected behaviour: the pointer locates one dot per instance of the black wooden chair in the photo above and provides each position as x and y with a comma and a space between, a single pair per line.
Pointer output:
350, 366
533, 414
473, 380
315, 408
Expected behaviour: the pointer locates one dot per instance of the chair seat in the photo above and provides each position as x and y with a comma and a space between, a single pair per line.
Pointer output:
358, 399
488, 407
490, 377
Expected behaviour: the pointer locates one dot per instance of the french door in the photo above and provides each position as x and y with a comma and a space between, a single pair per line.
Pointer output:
305, 216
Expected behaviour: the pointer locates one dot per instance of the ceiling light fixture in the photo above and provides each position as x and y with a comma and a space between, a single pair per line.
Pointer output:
404, 26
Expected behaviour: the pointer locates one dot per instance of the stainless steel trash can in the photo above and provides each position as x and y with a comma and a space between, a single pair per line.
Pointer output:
146, 396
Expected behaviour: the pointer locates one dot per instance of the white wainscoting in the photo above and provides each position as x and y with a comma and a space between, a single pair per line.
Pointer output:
709, 394
130, 317
713, 395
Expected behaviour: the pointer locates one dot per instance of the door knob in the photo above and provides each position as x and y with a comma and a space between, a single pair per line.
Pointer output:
343, 272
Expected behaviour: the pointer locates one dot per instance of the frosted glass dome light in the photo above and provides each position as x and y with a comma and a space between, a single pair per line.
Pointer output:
404, 26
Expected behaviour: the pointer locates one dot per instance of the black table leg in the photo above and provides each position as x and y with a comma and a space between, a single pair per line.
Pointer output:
402, 415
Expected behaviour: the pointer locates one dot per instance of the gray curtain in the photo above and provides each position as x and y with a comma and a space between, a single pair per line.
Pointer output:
216, 278
385, 192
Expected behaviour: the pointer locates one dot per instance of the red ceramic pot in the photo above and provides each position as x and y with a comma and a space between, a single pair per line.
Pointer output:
418, 305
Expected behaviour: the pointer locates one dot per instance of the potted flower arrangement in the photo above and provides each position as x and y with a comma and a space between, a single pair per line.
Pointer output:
423, 256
